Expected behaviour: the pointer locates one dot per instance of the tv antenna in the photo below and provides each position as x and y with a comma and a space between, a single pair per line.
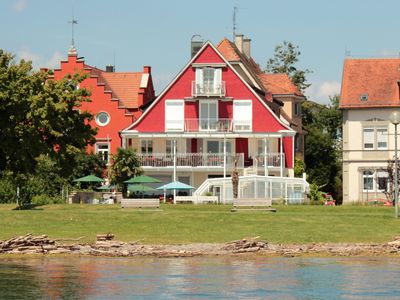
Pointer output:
234, 24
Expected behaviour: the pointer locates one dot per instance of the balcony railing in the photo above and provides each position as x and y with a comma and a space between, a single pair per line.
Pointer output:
206, 160
217, 125
273, 160
208, 89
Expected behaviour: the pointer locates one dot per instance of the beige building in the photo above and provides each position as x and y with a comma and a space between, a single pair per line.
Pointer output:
370, 92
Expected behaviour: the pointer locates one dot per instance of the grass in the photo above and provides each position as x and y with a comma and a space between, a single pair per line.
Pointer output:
204, 223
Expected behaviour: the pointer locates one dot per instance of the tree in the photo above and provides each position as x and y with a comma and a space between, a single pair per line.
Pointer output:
39, 116
88, 163
322, 145
126, 164
285, 58
389, 187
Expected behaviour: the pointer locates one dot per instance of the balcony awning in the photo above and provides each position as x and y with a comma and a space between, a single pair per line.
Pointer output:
230, 135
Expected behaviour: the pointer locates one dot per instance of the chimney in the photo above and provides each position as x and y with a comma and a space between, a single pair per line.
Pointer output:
147, 69
246, 47
239, 42
109, 69
195, 44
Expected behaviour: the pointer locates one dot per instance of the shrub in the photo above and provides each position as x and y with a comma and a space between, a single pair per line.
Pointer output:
8, 192
44, 199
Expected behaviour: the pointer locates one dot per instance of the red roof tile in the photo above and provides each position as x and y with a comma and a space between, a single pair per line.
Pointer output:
125, 86
279, 83
375, 78
228, 50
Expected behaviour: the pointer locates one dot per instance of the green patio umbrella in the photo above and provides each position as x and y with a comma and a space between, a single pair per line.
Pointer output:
140, 188
107, 187
142, 179
89, 178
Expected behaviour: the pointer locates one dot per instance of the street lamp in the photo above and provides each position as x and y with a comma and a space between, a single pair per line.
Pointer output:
395, 120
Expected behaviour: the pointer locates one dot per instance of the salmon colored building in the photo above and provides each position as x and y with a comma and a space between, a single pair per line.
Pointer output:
215, 114
116, 99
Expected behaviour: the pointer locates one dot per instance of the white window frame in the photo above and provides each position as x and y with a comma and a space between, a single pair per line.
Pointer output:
384, 174
376, 138
98, 116
241, 123
103, 151
146, 144
385, 135
368, 176
177, 122
208, 120
211, 87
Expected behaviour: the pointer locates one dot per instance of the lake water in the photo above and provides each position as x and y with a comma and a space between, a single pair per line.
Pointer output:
199, 278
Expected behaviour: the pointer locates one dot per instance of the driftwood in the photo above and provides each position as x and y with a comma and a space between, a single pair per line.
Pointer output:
246, 245
105, 237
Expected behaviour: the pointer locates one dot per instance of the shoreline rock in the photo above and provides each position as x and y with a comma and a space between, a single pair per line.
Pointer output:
29, 244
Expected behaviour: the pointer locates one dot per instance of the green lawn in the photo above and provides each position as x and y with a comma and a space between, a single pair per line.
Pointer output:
204, 223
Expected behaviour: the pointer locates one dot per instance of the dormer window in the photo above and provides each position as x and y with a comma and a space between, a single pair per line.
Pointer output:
364, 97
208, 82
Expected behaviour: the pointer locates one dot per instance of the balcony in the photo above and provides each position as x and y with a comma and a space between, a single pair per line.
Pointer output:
273, 160
208, 89
208, 125
197, 160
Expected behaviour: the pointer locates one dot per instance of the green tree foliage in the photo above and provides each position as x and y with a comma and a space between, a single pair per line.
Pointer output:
299, 167
286, 55
323, 145
41, 128
88, 163
126, 164
39, 116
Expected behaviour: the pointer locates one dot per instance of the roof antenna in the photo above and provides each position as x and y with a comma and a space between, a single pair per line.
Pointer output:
234, 24
114, 59
72, 49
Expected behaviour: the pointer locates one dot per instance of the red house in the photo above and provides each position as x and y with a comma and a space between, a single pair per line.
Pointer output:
211, 117
116, 99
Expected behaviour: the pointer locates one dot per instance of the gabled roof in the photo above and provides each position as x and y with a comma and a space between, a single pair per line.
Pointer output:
370, 83
188, 65
124, 85
279, 84
271, 83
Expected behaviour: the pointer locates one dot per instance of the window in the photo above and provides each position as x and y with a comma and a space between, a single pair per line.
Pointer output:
169, 147
242, 115
146, 146
375, 180
103, 149
261, 147
297, 109
382, 180
174, 115
208, 115
382, 138
208, 81
368, 180
375, 138
102, 118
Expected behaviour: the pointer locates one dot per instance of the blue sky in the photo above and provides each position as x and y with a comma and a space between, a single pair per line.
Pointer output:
157, 33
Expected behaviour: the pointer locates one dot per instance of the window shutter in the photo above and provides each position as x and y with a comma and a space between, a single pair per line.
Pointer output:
242, 115
368, 138
174, 115
381, 138
217, 81
199, 78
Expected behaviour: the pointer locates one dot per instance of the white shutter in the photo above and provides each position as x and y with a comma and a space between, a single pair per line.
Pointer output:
242, 115
199, 81
382, 138
217, 81
174, 115
368, 134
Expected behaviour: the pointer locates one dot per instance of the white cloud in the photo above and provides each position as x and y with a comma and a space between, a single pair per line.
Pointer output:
320, 91
20, 5
39, 61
